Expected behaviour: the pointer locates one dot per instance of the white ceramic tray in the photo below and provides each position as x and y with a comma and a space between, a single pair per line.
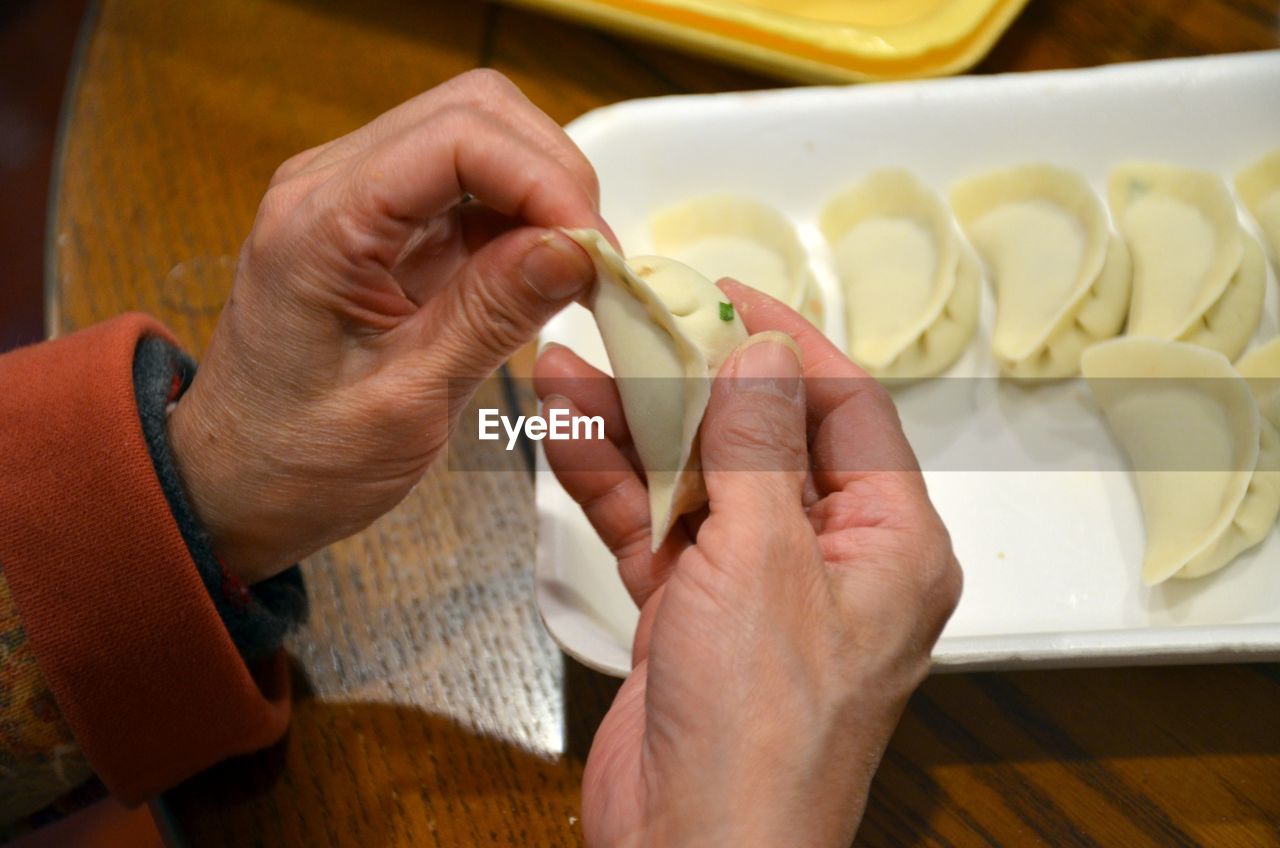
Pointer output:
1051, 558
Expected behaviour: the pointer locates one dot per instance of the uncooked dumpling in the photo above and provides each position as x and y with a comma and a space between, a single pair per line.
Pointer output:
1261, 367
1061, 278
1197, 277
911, 285
728, 236
1259, 187
667, 329
1204, 459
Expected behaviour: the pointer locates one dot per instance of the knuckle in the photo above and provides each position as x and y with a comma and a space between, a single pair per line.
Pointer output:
275, 211
277, 204
361, 231
948, 586
487, 88
291, 167
938, 579
487, 83
353, 218
876, 394
457, 122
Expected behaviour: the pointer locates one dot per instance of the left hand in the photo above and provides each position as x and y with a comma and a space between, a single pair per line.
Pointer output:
370, 299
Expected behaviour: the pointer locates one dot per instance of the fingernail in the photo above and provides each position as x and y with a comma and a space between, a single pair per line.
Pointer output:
609, 234
769, 363
556, 268
726, 285
555, 400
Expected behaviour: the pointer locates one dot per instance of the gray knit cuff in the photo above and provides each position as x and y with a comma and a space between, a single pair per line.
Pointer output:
258, 617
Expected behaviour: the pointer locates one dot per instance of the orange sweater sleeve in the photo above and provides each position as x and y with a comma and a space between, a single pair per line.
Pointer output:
42, 762
141, 666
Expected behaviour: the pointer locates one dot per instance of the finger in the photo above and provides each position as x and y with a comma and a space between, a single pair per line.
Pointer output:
855, 440
831, 377
559, 370
483, 90
616, 503
425, 171
856, 425
493, 92
753, 442
498, 301
426, 263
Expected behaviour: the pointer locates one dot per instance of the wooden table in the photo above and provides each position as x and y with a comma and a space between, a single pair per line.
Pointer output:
433, 708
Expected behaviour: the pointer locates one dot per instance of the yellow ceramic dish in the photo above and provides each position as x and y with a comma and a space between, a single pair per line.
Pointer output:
812, 40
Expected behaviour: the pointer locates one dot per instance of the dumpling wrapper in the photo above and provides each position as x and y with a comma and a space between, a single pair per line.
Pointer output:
725, 235
1259, 188
663, 330
1261, 368
1205, 462
912, 287
1197, 277
1061, 278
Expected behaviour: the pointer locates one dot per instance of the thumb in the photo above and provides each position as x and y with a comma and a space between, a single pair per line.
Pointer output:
754, 449
499, 300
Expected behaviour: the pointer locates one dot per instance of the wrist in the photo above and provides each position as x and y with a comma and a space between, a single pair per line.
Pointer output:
217, 487
743, 825
787, 791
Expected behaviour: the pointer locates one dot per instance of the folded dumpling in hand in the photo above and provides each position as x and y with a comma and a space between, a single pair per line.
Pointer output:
1197, 276
1261, 367
1259, 187
1061, 278
911, 285
1206, 464
667, 330
724, 235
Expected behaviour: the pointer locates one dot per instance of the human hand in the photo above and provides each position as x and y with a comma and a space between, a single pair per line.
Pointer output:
780, 638
370, 299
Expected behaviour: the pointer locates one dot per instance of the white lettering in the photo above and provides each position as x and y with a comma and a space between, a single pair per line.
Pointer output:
559, 422
489, 425
558, 425
588, 422
513, 432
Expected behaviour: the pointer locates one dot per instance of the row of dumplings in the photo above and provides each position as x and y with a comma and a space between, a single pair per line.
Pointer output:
1206, 460
1181, 276
1181, 267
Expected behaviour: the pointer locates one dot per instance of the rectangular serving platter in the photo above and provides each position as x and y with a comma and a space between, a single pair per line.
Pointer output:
1050, 550
810, 40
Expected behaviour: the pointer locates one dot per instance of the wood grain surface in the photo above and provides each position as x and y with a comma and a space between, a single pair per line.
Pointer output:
433, 709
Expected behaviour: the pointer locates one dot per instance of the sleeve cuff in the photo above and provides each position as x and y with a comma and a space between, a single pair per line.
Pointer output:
130, 641
258, 617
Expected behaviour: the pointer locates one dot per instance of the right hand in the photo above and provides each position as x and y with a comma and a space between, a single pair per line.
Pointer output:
780, 639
